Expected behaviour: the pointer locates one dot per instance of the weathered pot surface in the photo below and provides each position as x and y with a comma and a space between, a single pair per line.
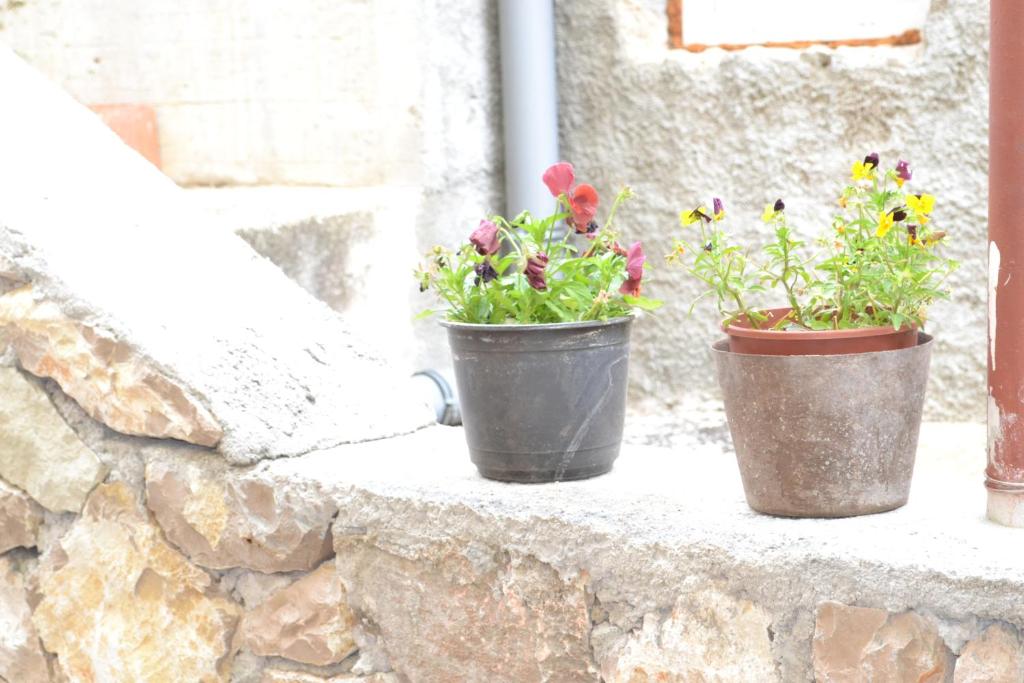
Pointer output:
767, 342
825, 436
542, 403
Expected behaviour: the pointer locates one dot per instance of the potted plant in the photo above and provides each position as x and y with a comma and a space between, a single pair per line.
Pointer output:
824, 394
539, 332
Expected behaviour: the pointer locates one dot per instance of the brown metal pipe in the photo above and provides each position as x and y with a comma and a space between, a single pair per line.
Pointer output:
1004, 476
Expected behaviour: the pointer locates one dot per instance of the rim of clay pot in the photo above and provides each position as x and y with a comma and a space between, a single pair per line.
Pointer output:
722, 346
736, 329
517, 327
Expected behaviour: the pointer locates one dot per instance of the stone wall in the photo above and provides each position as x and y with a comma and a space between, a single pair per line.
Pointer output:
324, 567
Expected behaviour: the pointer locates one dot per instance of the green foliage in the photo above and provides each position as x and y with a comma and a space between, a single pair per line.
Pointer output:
571, 286
879, 264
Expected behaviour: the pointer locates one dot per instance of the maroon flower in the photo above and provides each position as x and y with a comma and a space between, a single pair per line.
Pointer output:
779, 205
872, 159
484, 272
485, 238
634, 270
534, 271
903, 171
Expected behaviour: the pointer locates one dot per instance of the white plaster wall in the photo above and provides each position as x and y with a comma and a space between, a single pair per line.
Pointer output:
404, 96
394, 99
755, 125
309, 91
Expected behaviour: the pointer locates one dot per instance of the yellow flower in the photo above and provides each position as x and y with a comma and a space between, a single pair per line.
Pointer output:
921, 205
769, 213
691, 217
842, 201
862, 171
885, 222
678, 250
840, 229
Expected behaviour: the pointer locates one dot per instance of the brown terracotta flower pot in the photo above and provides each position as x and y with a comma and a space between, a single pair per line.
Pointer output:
767, 342
825, 436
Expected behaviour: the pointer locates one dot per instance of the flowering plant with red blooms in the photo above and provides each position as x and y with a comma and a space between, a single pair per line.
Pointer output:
520, 271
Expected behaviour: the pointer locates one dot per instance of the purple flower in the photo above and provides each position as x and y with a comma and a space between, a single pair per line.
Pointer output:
903, 171
484, 272
872, 159
716, 206
485, 238
899, 215
534, 271
779, 205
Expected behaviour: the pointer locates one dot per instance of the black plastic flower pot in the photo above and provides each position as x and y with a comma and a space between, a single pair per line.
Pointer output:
542, 403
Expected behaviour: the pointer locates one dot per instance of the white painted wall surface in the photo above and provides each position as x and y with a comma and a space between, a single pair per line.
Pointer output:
404, 96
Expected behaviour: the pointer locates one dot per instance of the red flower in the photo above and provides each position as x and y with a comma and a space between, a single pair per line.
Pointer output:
582, 199
559, 178
634, 270
485, 238
534, 271
583, 202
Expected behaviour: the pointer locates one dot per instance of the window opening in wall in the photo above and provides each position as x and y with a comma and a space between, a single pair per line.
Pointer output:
697, 25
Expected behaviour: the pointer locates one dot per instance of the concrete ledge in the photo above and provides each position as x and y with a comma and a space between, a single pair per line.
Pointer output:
638, 545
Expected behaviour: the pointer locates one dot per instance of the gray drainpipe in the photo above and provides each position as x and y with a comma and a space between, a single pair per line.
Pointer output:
529, 96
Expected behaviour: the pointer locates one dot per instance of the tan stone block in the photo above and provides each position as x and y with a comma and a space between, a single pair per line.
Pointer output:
39, 453
20, 517
709, 637
105, 376
996, 656
309, 621
853, 644
452, 610
120, 605
21, 656
223, 517
283, 676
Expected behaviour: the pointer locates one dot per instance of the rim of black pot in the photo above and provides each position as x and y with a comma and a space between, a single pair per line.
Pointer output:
537, 326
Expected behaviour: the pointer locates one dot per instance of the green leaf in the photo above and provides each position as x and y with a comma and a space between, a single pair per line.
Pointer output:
642, 302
